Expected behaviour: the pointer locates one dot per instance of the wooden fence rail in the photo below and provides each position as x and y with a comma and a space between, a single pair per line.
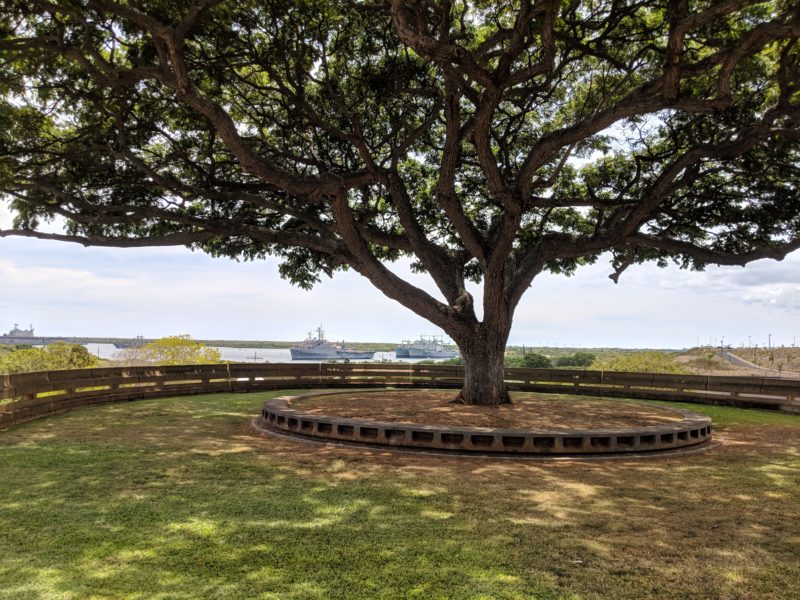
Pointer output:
28, 396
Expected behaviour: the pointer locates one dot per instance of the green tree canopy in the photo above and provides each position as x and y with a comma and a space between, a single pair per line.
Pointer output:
646, 361
52, 357
488, 141
172, 350
534, 360
578, 359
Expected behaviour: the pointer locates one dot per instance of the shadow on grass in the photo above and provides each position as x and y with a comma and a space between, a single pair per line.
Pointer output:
179, 498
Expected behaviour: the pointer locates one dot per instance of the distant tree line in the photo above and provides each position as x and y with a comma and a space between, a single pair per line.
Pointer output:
535, 360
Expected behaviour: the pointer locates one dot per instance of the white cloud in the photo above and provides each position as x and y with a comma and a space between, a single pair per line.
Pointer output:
69, 290
661, 307
786, 297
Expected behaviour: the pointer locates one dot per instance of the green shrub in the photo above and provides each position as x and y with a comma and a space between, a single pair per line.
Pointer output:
648, 361
53, 357
579, 359
533, 360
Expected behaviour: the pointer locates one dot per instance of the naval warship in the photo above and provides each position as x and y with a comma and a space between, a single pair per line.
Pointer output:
318, 348
20, 336
428, 346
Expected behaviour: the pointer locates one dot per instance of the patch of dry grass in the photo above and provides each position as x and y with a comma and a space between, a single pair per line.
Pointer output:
703, 361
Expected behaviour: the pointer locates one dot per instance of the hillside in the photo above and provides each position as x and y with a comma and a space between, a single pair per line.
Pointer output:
706, 361
777, 359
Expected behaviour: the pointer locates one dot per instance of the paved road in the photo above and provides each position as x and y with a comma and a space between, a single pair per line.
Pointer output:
740, 362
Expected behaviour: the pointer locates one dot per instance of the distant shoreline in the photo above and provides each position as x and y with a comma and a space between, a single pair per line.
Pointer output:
278, 345
268, 344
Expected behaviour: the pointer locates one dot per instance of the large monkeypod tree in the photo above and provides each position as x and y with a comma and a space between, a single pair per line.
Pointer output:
489, 141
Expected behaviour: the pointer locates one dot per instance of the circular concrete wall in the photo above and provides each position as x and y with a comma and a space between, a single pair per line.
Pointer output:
693, 429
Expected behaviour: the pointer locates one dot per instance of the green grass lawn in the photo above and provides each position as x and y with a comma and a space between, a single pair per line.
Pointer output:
179, 498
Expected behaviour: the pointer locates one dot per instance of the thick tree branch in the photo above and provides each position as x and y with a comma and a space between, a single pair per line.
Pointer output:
363, 261
710, 256
445, 55
183, 238
443, 267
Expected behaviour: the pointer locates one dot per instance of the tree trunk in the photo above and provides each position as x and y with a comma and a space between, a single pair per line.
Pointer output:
484, 374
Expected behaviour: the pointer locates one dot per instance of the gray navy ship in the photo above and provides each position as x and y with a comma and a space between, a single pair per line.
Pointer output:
427, 346
318, 348
20, 336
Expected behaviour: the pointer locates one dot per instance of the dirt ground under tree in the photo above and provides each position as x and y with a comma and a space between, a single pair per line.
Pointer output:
527, 411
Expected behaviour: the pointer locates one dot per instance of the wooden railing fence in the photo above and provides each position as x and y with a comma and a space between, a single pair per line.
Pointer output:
28, 396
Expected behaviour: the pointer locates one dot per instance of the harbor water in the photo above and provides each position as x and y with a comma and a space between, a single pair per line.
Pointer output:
249, 355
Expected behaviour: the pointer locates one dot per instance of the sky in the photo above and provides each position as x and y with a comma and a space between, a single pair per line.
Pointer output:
68, 290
